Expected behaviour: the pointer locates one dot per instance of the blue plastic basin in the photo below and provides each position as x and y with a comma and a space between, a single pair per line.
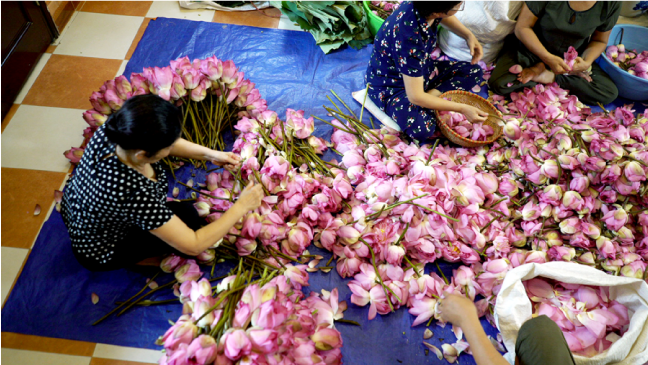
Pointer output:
630, 86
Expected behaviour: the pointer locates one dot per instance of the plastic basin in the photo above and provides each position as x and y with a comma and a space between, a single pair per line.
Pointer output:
630, 86
374, 20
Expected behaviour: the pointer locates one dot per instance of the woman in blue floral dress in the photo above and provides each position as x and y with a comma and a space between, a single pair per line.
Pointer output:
405, 82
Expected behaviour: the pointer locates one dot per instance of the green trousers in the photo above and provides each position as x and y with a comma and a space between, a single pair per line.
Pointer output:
541, 342
600, 90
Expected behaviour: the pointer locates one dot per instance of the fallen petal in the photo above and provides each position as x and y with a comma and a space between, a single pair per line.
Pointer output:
458, 332
450, 353
515, 69
176, 192
190, 183
498, 346
152, 284
434, 349
37, 210
58, 196
427, 334
95, 298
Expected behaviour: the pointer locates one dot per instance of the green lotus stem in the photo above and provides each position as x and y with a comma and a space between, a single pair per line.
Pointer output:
346, 106
436, 143
434, 211
335, 105
488, 224
412, 265
385, 288
258, 178
441, 272
128, 300
363, 106
335, 126
171, 283
636, 160
281, 254
146, 303
348, 321
276, 259
494, 204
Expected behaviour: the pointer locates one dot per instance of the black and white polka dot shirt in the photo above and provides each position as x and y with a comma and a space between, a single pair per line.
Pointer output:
105, 199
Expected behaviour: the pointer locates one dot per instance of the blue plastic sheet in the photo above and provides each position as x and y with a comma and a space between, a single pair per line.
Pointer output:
52, 296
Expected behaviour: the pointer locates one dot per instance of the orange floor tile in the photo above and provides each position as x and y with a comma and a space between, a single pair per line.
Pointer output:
68, 81
46, 344
21, 191
264, 18
132, 8
100, 361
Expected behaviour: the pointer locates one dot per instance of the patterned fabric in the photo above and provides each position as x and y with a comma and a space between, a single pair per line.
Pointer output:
403, 46
105, 199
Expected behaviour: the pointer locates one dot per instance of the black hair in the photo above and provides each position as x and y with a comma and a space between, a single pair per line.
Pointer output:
145, 122
425, 8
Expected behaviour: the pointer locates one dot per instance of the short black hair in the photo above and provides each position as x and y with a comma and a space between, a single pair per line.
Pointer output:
425, 8
145, 122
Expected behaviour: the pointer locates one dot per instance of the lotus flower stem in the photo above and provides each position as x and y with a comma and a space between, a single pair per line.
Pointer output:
171, 283
346, 106
441, 272
436, 143
347, 321
412, 265
434, 211
385, 288
127, 301
201, 192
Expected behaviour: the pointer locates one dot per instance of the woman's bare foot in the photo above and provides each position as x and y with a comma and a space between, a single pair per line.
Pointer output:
530, 73
434, 92
545, 77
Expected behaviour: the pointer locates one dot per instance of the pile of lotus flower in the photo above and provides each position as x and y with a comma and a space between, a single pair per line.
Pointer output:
464, 128
635, 63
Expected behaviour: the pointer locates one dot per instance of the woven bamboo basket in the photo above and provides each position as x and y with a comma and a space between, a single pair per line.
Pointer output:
465, 97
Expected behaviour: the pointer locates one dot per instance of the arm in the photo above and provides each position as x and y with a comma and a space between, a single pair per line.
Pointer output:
524, 32
176, 233
455, 26
186, 149
461, 311
417, 96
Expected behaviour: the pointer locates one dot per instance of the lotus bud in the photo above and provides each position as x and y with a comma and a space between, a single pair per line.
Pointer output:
569, 226
625, 233
487, 182
612, 52
202, 208
612, 265
553, 239
512, 130
538, 257
634, 270
327, 339
621, 48
587, 258
550, 168
634, 172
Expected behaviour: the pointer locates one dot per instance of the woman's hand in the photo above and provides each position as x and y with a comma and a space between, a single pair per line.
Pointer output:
251, 197
557, 65
473, 114
228, 160
458, 310
475, 48
580, 65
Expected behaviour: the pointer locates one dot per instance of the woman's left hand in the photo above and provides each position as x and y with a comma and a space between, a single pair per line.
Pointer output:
475, 49
228, 160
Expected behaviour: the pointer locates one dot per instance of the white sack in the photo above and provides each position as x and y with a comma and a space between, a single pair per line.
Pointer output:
369, 105
188, 4
490, 22
513, 308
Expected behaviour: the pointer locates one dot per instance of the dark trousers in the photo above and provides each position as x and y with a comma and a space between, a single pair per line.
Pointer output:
600, 90
139, 244
541, 342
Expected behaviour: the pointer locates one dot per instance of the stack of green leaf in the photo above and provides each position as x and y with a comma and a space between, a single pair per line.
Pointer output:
332, 23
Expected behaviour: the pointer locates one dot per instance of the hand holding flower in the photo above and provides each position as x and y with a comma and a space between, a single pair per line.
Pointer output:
229, 160
580, 65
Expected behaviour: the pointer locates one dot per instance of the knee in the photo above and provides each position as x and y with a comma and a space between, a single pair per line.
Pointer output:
499, 85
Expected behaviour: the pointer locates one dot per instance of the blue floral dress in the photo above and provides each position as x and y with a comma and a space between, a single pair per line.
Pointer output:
404, 45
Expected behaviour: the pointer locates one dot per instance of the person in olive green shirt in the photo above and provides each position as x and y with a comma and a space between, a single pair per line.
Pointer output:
543, 33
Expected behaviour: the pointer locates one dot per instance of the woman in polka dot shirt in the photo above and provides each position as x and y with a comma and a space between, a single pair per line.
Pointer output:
115, 205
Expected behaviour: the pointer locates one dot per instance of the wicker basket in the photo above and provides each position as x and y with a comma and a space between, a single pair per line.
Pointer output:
464, 97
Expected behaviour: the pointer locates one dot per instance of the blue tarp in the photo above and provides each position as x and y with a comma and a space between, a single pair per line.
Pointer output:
52, 295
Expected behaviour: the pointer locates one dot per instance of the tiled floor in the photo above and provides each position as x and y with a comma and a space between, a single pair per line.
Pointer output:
46, 120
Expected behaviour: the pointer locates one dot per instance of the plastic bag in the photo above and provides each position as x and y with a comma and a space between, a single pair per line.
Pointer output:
187, 4
370, 106
490, 22
513, 308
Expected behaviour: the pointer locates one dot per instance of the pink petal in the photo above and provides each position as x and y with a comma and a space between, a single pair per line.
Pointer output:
588, 296
176, 192
540, 288
152, 284
585, 336
515, 69
427, 334
450, 353
434, 349
95, 298
37, 210
190, 183
58, 196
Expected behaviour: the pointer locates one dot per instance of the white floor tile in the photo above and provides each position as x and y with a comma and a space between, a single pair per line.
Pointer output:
127, 353
287, 24
12, 260
99, 35
32, 77
38, 136
171, 9
24, 357
122, 68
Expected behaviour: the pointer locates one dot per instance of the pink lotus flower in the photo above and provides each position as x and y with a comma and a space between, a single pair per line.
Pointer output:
161, 81
302, 128
170, 263
327, 339
188, 271
263, 341
99, 103
74, 154
182, 332
318, 144
297, 275
202, 350
236, 344
634, 172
